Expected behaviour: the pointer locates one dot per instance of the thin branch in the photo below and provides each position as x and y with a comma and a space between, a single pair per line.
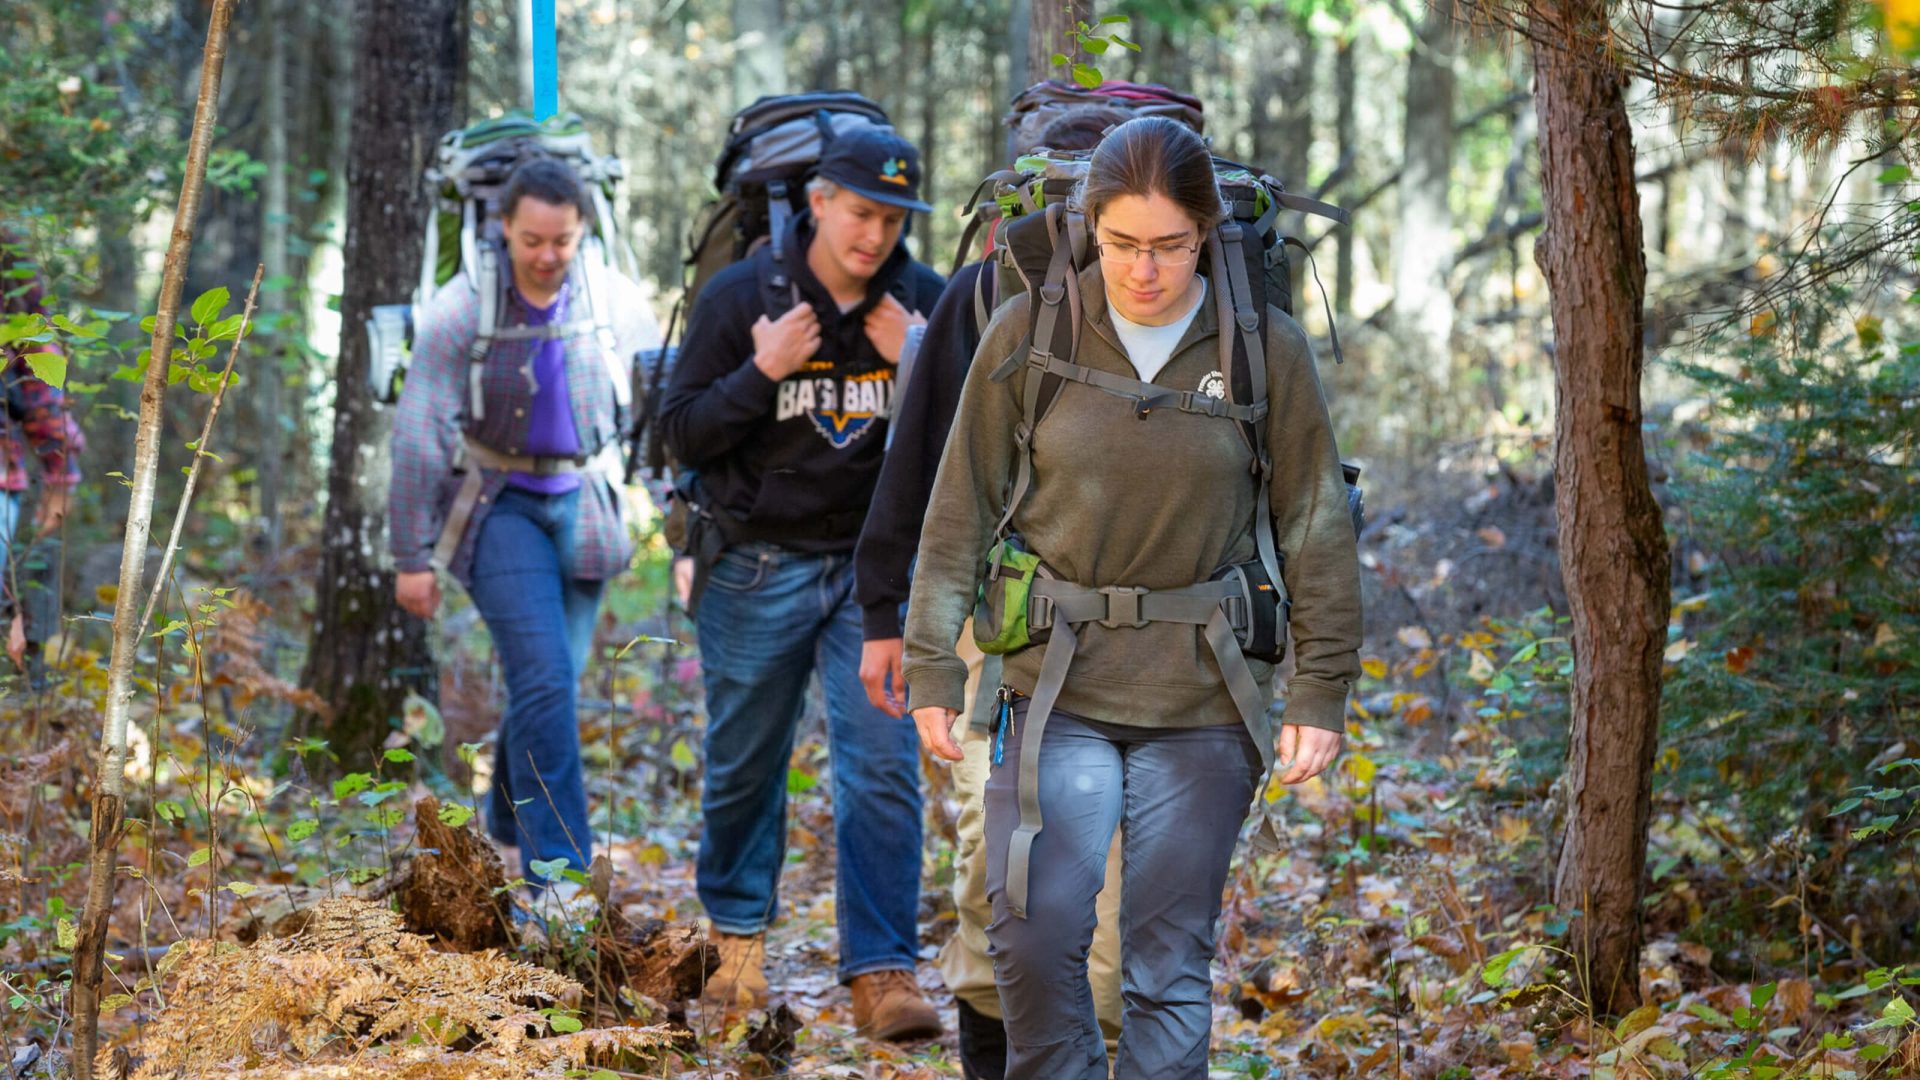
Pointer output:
200, 455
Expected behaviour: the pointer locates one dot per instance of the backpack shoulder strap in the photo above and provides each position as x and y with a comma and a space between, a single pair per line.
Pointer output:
490, 283
597, 279
1058, 292
1244, 361
778, 292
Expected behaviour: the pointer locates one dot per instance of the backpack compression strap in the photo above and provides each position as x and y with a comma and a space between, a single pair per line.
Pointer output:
1061, 605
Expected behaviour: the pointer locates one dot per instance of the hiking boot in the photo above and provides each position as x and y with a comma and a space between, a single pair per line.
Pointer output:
741, 979
983, 1043
887, 1005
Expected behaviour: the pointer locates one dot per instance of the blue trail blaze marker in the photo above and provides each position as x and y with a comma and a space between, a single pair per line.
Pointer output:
546, 66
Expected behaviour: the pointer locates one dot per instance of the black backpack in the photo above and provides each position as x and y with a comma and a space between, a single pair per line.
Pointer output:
773, 147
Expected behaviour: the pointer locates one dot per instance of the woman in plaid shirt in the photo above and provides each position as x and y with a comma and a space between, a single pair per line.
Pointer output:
35, 418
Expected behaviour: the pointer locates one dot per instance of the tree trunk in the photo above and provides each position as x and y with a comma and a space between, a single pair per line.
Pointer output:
761, 66
1283, 120
1019, 75
1423, 237
930, 102
523, 50
276, 220
1613, 548
109, 815
1347, 143
367, 653
1047, 26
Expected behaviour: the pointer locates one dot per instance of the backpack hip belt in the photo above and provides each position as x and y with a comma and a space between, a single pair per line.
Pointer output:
476, 456
1220, 607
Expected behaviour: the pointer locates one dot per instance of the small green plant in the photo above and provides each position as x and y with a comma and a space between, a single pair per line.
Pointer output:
1095, 39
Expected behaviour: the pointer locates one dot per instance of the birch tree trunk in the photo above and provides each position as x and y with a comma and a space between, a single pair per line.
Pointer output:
109, 822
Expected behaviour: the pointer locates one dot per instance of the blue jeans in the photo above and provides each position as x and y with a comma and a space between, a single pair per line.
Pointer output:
9, 522
541, 618
1182, 794
769, 619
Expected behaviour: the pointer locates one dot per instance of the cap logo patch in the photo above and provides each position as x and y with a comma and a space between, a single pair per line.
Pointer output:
895, 171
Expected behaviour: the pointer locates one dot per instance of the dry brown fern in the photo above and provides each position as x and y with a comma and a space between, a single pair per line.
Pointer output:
231, 653
21, 779
330, 998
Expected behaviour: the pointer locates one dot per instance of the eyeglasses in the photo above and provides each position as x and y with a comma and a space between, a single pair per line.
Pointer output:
1169, 255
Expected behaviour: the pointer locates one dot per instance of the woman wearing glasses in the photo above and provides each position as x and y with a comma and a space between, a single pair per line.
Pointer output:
1145, 732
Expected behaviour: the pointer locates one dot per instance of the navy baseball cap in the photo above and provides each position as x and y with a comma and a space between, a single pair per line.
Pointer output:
877, 164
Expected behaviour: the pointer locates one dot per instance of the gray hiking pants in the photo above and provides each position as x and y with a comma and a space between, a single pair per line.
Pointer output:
1182, 794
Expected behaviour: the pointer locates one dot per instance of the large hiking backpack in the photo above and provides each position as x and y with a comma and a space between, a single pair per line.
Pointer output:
467, 179
1040, 104
1040, 246
773, 147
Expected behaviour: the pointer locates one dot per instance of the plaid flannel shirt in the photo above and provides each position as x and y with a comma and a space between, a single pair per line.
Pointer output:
427, 432
35, 415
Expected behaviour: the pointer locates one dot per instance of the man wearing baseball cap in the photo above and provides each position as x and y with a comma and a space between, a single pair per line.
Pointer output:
779, 403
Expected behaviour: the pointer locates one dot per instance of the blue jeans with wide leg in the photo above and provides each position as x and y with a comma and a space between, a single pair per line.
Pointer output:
541, 618
770, 618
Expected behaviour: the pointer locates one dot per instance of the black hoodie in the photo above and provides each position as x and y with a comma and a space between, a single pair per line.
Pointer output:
925, 412
793, 461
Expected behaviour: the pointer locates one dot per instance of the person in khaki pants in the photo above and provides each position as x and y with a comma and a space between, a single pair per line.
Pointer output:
964, 960
943, 350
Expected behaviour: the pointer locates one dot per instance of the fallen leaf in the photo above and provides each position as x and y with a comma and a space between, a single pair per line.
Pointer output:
1492, 536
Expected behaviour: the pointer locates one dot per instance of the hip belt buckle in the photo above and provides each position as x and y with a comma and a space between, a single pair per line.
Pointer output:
1123, 607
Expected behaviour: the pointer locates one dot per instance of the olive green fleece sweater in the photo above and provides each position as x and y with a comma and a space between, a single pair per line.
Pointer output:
1161, 502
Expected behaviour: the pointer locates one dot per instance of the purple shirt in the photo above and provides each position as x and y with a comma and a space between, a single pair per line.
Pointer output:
550, 428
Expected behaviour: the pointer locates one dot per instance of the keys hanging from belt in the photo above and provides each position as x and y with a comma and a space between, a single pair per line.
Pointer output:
1002, 722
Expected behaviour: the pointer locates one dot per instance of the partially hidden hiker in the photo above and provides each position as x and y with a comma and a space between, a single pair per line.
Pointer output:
500, 480
882, 564
1144, 466
778, 403
35, 421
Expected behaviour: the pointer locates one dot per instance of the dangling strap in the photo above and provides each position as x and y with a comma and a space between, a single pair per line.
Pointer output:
1326, 300
972, 206
982, 307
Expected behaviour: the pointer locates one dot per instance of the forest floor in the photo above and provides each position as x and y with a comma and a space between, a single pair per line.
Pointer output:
1407, 932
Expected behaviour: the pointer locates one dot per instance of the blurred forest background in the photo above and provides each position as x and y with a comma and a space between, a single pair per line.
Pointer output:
1414, 930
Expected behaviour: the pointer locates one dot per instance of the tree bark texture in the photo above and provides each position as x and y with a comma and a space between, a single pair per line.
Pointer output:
1047, 28
408, 77
1613, 546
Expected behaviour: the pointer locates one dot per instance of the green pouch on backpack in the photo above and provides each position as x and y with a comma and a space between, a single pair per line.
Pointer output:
1000, 623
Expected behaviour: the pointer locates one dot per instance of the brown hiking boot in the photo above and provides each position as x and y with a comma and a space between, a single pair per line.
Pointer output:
887, 1005
741, 979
